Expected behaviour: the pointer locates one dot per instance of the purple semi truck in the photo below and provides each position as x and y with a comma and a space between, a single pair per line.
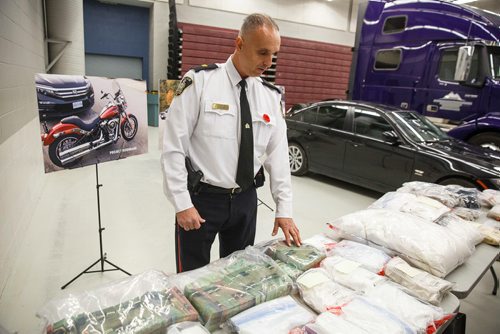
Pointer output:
436, 57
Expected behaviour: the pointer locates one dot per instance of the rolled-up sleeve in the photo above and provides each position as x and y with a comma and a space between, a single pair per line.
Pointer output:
278, 168
179, 125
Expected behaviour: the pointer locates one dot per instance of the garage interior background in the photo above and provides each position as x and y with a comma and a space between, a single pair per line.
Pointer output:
316, 39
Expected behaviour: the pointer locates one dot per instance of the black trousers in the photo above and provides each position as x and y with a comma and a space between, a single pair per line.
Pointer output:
233, 217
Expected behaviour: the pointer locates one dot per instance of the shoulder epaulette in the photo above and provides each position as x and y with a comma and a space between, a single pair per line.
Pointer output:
270, 85
205, 67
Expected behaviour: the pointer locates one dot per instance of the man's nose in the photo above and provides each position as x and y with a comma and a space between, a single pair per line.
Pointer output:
268, 61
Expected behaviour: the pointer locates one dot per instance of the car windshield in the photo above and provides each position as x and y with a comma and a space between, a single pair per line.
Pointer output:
419, 128
494, 59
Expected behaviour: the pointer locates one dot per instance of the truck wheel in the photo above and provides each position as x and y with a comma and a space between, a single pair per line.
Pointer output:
489, 140
460, 182
297, 159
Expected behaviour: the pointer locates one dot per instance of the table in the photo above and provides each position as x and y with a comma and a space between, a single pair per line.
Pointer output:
450, 304
470, 273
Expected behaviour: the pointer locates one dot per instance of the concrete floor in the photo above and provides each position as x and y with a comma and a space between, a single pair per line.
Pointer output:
63, 237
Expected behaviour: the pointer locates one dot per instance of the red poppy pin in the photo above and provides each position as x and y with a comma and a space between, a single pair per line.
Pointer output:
266, 118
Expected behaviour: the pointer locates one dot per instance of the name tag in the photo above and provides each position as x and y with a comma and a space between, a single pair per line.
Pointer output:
220, 106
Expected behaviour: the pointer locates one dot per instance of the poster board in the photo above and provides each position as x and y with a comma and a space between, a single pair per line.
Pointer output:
86, 120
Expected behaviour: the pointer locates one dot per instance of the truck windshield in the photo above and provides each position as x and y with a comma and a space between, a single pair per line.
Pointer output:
494, 59
419, 128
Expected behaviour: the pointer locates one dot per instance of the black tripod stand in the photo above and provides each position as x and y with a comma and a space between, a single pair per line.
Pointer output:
102, 259
261, 202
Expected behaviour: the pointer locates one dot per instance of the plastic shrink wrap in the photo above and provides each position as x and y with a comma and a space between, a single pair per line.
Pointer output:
233, 284
321, 293
467, 214
420, 283
419, 316
145, 303
494, 212
489, 232
370, 258
420, 206
302, 258
351, 274
328, 323
468, 197
461, 229
489, 198
187, 327
373, 318
424, 244
321, 241
276, 316
431, 190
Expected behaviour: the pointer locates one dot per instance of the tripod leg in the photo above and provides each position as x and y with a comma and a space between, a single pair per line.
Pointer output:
118, 268
261, 202
495, 280
80, 274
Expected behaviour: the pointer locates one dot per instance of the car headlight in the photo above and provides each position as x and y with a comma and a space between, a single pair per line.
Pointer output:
44, 91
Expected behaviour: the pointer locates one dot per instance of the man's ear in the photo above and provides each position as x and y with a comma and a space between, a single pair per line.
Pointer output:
239, 43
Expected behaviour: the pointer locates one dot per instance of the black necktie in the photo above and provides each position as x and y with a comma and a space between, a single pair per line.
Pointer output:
244, 174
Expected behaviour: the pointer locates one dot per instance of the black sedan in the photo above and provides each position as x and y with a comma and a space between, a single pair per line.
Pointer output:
380, 147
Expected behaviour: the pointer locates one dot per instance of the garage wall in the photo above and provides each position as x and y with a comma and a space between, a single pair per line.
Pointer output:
315, 20
315, 56
21, 171
117, 30
309, 71
65, 22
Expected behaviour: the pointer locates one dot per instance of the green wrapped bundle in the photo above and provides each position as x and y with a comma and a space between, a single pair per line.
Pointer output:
303, 258
235, 288
216, 303
291, 270
150, 313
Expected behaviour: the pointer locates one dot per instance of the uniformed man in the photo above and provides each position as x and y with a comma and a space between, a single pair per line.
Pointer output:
228, 122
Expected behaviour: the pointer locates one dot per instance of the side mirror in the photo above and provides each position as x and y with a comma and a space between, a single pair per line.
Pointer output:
390, 137
464, 62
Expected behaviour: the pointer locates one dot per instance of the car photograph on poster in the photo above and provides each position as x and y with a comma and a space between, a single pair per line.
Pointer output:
381, 147
63, 95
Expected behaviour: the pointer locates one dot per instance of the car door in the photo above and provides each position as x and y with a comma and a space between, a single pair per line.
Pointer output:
327, 142
369, 159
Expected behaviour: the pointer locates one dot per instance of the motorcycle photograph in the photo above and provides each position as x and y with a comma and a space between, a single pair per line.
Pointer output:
73, 138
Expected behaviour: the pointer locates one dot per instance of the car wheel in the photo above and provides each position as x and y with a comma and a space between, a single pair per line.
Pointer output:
489, 140
458, 181
297, 159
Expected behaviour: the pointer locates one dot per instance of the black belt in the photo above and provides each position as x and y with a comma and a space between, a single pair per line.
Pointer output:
208, 188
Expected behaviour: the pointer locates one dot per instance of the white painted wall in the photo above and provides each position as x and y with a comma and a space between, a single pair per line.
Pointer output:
158, 46
21, 169
65, 22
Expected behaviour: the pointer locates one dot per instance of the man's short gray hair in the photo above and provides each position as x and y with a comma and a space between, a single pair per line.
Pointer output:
257, 20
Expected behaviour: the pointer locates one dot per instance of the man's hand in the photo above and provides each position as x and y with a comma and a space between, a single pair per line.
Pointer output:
189, 219
289, 230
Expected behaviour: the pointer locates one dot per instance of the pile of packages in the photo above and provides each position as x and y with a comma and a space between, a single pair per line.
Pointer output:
146, 303
378, 270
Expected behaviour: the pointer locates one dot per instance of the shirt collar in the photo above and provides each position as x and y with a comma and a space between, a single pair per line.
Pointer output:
233, 74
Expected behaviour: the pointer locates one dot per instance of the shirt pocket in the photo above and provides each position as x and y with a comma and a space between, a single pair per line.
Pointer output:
219, 120
263, 127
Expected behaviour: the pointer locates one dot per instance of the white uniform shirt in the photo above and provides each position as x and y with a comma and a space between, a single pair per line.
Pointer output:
203, 122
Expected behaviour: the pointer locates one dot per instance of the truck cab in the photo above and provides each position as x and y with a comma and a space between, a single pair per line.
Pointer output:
438, 58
